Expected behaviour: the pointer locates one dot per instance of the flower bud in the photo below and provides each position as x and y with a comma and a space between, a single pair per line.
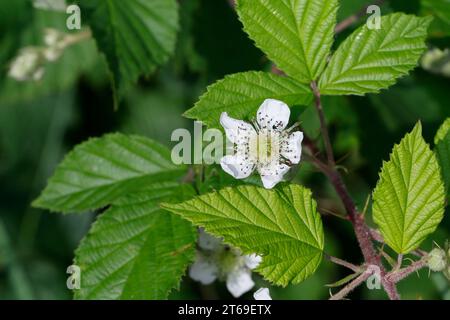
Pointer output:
52, 54
27, 65
53, 37
437, 61
437, 260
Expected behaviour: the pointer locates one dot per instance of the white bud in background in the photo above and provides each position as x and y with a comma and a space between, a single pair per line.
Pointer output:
53, 38
28, 65
437, 260
52, 54
55, 42
437, 61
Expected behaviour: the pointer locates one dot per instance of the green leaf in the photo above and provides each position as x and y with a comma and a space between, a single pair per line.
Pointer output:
295, 34
371, 60
441, 11
100, 170
442, 149
135, 250
409, 197
281, 225
241, 94
136, 36
442, 132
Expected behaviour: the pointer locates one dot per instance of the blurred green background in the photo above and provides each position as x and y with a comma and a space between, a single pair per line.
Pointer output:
41, 121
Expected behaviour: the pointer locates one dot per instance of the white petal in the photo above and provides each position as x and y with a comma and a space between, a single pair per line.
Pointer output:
273, 114
207, 241
262, 294
292, 147
237, 131
273, 174
252, 260
237, 166
239, 282
203, 270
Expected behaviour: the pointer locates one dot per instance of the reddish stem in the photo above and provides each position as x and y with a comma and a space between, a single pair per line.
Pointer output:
362, 231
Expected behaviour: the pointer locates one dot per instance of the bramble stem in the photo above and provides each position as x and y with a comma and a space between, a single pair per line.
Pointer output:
323, 124
400, 274
343, 263
353, 285
362, 231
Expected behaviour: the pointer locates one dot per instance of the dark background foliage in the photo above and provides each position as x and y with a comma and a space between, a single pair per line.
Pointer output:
40, 122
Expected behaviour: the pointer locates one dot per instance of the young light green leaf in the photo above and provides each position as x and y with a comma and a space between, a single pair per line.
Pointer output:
371, 60
442, 149
295, 34
409, 197
282, 225
241, 94
135, 250
136, 36
100, 170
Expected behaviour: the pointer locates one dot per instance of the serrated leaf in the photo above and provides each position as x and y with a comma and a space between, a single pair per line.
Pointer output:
409, 197
281, 225
136, 36
241, 94
295, 34
371, 60
442, 148
135, 250
102, 169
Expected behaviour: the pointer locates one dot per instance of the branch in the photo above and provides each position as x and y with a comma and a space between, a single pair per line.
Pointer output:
398, 275
360, 227
343, 263
323, 125
355, 283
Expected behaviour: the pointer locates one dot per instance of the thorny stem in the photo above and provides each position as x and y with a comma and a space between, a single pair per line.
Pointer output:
354, 284
364, 234
323, 125
361, 229
343, 263
400, 274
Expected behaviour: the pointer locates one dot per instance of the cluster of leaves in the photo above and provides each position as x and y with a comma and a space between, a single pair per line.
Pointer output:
139, 248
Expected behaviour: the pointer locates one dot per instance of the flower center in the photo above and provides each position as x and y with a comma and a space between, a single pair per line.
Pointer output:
265, 147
